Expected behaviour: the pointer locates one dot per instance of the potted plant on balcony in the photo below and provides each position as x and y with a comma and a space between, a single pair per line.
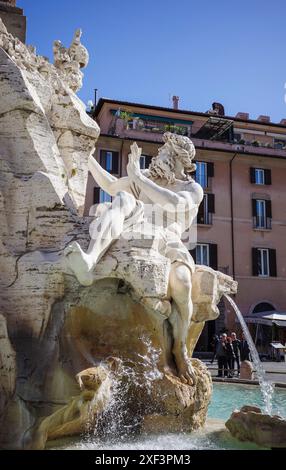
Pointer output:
255, 143
125, 117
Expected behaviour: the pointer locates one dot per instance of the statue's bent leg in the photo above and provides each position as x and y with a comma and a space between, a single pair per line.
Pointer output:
195, 331
104, 231
109, 226
180, 286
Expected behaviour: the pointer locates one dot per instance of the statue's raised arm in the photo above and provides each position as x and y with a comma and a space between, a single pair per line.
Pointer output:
109, 183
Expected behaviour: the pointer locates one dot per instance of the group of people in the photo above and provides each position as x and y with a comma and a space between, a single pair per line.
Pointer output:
229, 352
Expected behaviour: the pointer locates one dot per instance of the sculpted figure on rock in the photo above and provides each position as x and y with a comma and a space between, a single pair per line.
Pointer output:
174, 197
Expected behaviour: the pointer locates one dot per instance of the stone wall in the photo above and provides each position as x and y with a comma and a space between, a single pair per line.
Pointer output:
13, 18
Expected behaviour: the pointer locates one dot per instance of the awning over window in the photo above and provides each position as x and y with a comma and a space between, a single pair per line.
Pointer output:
275, 316
267, 318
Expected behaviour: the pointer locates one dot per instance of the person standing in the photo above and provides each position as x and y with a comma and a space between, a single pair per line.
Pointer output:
230, 357
222, 356
244, 349
214, 344
236, 350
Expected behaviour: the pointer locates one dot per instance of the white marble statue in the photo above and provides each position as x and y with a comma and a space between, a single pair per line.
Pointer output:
169, 188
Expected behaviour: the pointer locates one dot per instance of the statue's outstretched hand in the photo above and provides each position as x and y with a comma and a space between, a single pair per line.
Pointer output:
133, 166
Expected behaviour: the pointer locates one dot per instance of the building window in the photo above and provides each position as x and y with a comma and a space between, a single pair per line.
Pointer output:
109, 160
206, 210
145, 161
104, 197
262, 213
263, 307
204, 171
201, 174
202, 254
260, 176
264, 262
206, 254
100, 196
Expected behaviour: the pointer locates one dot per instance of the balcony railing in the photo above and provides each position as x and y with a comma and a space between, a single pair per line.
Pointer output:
261, 222
205, 219
136, 127
160, 129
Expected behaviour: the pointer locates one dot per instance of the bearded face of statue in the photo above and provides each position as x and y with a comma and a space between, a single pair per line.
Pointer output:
162, 166
171, 164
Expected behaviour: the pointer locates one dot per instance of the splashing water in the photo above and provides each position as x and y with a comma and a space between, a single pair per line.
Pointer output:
267, 387
149, 363
116, 422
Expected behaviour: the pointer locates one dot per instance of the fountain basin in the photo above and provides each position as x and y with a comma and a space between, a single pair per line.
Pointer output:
214, 436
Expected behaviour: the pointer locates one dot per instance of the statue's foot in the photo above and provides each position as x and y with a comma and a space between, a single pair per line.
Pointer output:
186, 371
79, 263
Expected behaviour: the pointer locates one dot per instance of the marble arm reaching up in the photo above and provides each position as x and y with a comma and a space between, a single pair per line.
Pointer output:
109, 183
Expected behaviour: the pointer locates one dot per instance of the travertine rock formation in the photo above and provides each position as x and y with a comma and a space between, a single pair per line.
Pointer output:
250, 424
46, 138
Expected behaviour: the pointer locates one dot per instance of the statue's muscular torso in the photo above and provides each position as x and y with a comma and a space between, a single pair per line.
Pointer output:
184, 218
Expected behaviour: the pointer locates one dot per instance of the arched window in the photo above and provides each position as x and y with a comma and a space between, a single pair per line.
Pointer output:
263, 307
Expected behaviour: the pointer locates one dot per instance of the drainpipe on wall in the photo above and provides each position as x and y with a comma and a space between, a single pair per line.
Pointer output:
232, 216
121, 153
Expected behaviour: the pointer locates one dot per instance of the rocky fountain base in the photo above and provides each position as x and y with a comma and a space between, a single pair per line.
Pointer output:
127, 380
120, 404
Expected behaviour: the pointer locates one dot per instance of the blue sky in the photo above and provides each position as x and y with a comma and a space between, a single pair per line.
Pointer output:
147, 50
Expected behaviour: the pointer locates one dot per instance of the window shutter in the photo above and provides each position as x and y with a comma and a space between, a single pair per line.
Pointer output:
96, 195
211, 203
268, 209
267, 177
213, 255
252, 175
103, 158
272, 263
255, 255
254, 212
115, 163
200, 216
193, 253
147, 161
210, 169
